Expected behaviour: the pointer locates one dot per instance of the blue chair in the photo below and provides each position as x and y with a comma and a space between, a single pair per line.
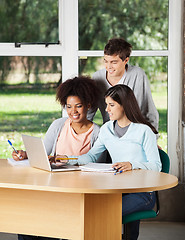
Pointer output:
152, 213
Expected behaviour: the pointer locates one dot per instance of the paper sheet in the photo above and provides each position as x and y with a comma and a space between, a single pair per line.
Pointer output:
97, 167
18, 163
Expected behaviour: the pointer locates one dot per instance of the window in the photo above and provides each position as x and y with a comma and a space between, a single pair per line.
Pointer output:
146, 29
83, 34
168, 48
26, 69
142, 23
29, 21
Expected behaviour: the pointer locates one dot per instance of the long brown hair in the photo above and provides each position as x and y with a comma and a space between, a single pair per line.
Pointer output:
123, 95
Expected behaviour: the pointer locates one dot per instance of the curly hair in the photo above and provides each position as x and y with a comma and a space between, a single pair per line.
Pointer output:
118, 46
83, 87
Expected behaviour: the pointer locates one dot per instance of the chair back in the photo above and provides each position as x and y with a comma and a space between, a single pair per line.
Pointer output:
150, 213
165, 161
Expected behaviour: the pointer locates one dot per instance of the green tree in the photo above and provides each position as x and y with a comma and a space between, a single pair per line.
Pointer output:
28, 21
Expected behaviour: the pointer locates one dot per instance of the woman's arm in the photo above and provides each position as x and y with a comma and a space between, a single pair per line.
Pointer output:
52, 134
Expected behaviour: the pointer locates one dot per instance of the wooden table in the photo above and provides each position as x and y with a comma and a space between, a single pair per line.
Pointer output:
71, 205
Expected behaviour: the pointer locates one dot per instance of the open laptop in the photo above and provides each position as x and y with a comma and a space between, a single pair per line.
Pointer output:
38, 158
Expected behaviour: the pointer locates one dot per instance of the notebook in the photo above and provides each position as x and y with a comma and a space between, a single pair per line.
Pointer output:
98, 167
38, 157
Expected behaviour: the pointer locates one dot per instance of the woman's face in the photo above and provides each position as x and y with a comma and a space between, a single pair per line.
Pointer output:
114, 109
76, 111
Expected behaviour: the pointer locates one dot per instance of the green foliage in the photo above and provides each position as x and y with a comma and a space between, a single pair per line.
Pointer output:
143, 23
153, 66
28, 21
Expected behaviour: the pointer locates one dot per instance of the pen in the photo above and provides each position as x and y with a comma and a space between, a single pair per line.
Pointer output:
117, 171
13, 148
66, 158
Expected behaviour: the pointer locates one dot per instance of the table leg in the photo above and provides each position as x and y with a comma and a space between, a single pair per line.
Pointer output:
103, 216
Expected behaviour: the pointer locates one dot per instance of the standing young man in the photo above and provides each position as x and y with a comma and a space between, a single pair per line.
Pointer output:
117, 71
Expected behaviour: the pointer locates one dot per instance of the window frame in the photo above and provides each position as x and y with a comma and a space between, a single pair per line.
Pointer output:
70, 54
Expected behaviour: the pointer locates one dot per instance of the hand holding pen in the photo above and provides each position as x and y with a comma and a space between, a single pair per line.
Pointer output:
17, 154
122, 167
62, 159
117, 170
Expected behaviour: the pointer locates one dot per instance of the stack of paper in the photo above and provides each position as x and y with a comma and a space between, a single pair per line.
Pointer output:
18, 163
97, 167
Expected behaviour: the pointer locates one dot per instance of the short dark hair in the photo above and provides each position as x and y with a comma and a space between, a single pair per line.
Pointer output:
83, 87
123, 95
118, 46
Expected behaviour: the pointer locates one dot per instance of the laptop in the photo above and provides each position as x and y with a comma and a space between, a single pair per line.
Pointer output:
38, 157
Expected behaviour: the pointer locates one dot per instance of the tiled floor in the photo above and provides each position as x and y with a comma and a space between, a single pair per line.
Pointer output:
148, 231
162, 231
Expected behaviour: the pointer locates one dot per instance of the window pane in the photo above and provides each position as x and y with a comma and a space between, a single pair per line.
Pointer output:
34, 70
156, 70
29, 21
143, 23
27, 108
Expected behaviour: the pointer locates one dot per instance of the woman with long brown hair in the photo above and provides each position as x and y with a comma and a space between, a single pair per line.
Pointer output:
131, 143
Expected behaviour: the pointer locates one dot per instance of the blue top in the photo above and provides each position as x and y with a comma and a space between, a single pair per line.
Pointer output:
138, 146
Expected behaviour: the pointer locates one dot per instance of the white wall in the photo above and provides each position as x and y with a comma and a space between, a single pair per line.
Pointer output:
175, 136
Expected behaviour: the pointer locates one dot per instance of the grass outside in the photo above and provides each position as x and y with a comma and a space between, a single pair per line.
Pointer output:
31, 111
25, 111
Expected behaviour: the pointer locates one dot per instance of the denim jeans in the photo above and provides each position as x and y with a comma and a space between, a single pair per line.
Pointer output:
135, 202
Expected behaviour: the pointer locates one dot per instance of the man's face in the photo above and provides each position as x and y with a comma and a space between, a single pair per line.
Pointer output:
114, 65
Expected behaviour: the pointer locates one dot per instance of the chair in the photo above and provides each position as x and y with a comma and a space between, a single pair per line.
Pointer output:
151, 213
